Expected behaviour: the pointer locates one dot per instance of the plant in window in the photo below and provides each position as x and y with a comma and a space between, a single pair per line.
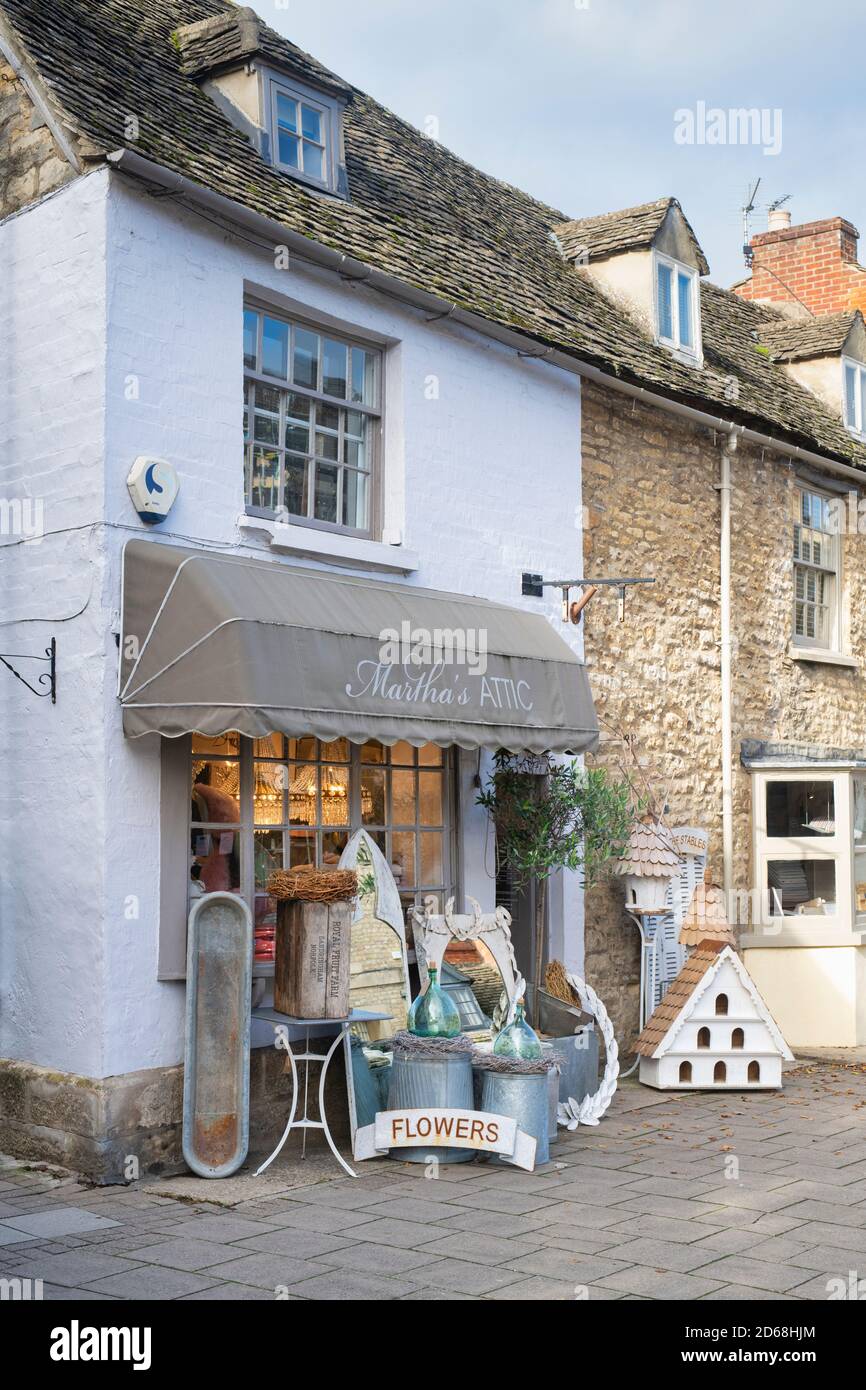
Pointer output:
551, 816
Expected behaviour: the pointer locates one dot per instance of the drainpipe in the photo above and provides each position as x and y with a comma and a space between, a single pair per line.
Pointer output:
728, 450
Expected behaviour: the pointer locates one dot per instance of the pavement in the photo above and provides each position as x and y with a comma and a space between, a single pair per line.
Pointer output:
699, 1196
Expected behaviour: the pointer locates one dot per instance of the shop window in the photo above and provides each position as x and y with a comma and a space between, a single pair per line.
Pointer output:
703, 1037
721, 1005
801, 887
685, 1071
754, 1071
800, 808
720, 1073
311, 423
738, 1038
276, 803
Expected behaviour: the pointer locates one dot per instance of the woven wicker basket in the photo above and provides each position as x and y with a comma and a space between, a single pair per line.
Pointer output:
310, 885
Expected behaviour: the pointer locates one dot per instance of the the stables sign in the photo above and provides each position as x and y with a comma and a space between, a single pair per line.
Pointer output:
443, 1128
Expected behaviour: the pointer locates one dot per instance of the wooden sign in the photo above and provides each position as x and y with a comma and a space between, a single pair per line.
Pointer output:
446, 1129
311, 966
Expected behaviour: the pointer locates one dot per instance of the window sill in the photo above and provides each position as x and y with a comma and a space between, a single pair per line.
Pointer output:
353, 551
823, 658
807, 936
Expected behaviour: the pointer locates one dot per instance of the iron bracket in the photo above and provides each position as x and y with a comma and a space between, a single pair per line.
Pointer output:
47, 679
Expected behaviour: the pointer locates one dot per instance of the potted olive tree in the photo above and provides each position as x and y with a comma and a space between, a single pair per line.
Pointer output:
552, 815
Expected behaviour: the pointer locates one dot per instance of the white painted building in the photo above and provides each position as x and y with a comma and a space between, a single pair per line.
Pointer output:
127, 320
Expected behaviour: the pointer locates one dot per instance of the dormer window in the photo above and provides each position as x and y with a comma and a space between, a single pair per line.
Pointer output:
855, 396
676, 288
304, 133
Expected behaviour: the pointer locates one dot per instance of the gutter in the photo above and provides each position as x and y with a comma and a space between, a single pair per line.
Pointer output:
726, 658
126, 161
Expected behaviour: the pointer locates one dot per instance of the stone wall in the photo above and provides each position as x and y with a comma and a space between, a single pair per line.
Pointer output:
31, 164
651, 508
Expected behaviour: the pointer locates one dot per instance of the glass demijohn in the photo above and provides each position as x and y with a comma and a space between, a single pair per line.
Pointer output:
433, 1014
518, 1039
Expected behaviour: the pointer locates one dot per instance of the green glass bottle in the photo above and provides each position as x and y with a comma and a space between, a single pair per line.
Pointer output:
433, 1014
518, 1039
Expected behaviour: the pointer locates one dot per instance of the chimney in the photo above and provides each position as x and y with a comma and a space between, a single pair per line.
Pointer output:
813, 265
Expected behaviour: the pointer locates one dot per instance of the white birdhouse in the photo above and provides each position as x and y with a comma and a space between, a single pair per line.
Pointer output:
712, 1030
648, 866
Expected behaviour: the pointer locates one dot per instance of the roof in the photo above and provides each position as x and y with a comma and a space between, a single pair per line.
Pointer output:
696, 975
706, 919
629, 229
650, 852
821, 336
221, 40
416, 211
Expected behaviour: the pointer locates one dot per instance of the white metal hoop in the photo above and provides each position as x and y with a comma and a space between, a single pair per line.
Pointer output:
571, 1113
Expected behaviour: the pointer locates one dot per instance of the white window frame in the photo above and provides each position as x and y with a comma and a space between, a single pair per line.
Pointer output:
374, 414
692, 353
829, 566
329, 111
857, 426
842, 927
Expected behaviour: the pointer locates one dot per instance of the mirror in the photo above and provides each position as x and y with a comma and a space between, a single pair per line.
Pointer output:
379, 976
474, 955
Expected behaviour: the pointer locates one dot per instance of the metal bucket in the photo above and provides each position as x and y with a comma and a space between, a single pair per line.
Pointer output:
420, 1082
526, 1099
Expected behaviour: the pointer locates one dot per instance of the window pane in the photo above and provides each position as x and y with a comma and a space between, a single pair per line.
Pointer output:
334, 368
850, 396
326, 492
336, 752
295, 496
269, 783
800, 808
355, 500
335, 796
363, 376
266, 428
430, 798
430, 846
287, 111
430, 755
303, 786
403, 797
373, 796
403, 753
251, 328
333, 844
215, 792
311, 124
303, 749
275, 348
355, 439
372, 752
328, 416
326, 445
225, 745
264, 487
862, 376
801, 887
269, 747
314, 160
684, 288
665, 304
305, 371
297, 438
289, 147
302, 849
403, 858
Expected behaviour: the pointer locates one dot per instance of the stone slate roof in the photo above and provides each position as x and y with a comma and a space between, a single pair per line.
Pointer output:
208, 45
415, 211
821, 336
630, 229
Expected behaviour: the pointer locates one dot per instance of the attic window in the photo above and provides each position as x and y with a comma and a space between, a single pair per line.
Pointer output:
855, 396
304, 131
676, 294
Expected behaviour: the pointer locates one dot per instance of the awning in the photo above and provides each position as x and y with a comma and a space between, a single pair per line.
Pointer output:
213, 642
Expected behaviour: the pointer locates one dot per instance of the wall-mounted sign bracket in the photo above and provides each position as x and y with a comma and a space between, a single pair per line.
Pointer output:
48, 679
533, 586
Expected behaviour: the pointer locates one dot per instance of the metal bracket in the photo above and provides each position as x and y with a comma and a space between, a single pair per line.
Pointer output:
48, 677
533, 586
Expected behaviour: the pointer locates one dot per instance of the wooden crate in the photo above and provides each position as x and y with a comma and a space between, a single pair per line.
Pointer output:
311, 968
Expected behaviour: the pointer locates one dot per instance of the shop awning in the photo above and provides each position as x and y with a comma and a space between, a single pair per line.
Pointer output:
212, 642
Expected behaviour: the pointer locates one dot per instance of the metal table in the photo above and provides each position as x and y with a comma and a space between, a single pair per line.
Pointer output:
282, 1041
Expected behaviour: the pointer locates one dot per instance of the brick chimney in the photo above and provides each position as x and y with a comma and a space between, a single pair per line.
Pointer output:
814, 264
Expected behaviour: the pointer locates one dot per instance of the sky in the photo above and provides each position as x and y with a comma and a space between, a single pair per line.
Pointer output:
581, 102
